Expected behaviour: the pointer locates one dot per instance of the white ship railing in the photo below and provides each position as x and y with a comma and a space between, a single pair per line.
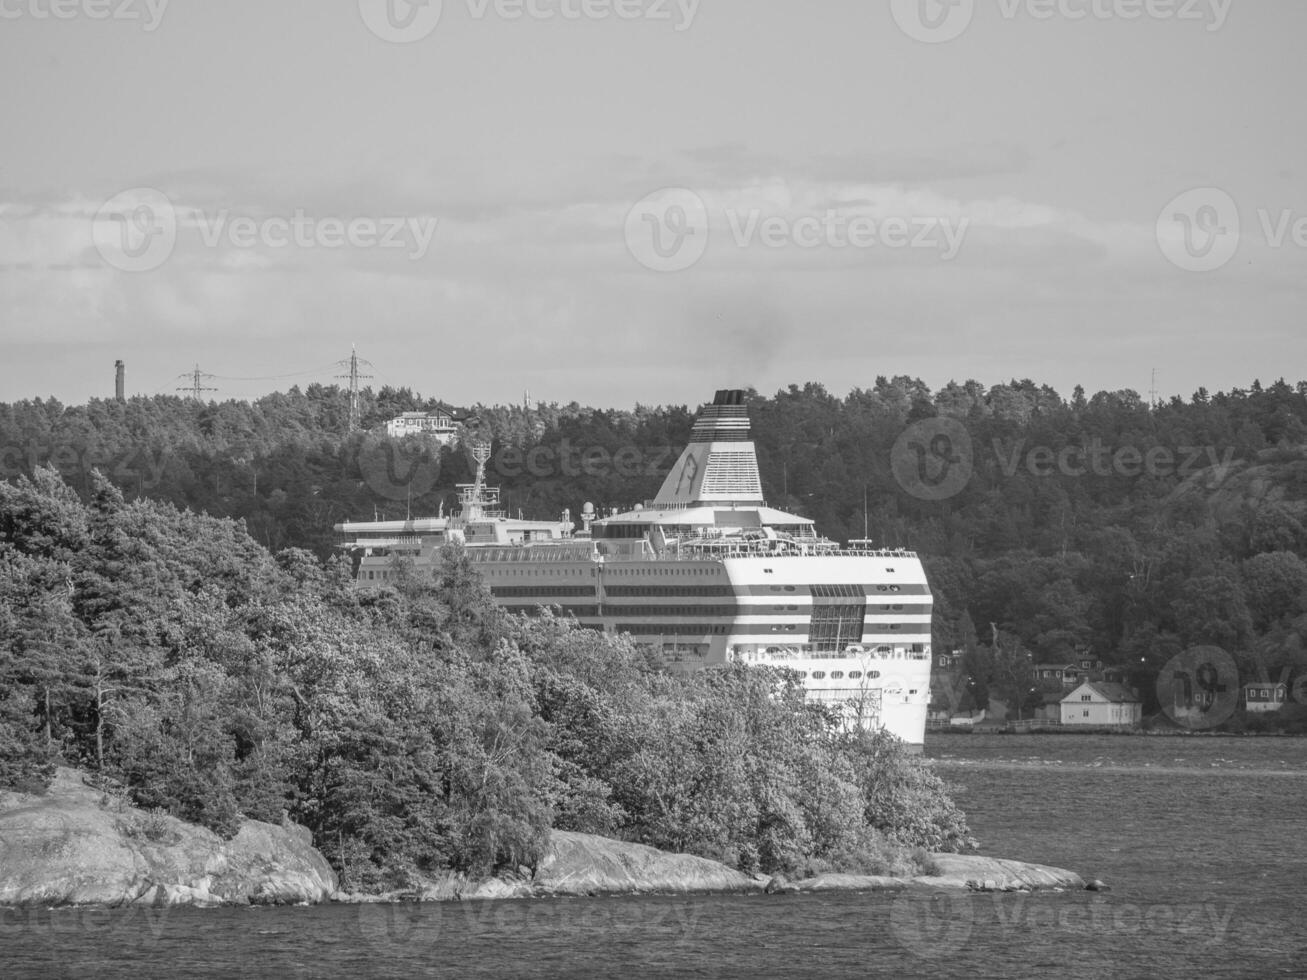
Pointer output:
700, 551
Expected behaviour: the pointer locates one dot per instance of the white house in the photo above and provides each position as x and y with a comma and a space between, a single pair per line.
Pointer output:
1100, 703
436, 424
1265, 696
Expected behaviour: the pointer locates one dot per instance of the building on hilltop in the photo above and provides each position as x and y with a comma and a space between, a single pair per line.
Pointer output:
439, 425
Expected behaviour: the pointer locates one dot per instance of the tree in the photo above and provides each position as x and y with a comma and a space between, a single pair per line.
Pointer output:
1275, 584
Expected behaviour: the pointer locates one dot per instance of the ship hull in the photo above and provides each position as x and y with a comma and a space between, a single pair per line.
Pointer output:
856, 627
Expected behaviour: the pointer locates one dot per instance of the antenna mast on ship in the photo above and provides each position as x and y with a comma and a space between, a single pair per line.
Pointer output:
476, 501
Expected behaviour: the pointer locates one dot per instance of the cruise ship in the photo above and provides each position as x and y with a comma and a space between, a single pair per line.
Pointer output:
706, 572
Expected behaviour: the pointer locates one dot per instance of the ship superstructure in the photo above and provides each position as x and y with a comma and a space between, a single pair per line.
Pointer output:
707, 573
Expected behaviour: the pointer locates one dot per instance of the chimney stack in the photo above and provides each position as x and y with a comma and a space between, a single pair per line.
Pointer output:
120, 381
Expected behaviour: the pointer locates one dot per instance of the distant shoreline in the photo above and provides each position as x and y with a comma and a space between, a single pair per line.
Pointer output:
968, 732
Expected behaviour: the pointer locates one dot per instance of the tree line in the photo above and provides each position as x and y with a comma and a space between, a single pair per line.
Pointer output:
1091, 525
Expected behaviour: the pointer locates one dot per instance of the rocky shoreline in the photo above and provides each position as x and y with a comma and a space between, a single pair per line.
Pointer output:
75, 846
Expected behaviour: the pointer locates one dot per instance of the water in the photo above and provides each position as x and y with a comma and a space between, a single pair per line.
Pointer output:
1203, 841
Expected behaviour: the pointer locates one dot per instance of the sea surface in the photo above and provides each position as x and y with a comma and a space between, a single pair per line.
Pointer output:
1202, 839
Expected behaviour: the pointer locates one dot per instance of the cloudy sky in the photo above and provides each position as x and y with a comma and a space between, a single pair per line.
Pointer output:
616, 201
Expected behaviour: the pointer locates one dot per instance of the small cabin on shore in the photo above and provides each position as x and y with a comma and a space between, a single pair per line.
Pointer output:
1265, 696
1102, 704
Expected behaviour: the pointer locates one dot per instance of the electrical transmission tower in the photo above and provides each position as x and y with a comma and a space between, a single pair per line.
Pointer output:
196, 387
354, 379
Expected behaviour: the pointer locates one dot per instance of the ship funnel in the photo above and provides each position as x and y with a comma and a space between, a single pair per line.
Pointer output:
720, 465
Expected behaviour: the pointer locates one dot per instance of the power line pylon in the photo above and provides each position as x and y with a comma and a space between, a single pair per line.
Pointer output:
354, 379
196, 388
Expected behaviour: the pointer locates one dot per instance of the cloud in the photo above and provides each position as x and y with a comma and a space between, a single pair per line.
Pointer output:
538, 270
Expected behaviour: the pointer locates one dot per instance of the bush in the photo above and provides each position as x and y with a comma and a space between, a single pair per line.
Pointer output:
874, 855
154, 826
904, 798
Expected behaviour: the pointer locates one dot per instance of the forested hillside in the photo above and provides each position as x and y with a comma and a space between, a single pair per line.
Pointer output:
1094, 524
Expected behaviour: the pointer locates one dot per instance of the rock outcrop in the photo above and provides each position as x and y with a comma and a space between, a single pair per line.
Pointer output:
834, 882
989, 874
962, 871
583, 864
66, 848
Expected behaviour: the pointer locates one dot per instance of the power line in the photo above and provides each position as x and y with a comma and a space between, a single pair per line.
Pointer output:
279, 377
196, 387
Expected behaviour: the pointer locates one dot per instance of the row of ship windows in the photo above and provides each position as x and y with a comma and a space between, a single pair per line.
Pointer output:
662, 571
817, 610
536, 569
831, 651
884, 650
836, 591
872, 627
670, 629
725, 612
540, 591
668, 590
624, 591
611, 610
686, 611
818, 615
487, 556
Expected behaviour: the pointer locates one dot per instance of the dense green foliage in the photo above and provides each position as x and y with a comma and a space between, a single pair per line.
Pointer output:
412, 729
1131, 561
